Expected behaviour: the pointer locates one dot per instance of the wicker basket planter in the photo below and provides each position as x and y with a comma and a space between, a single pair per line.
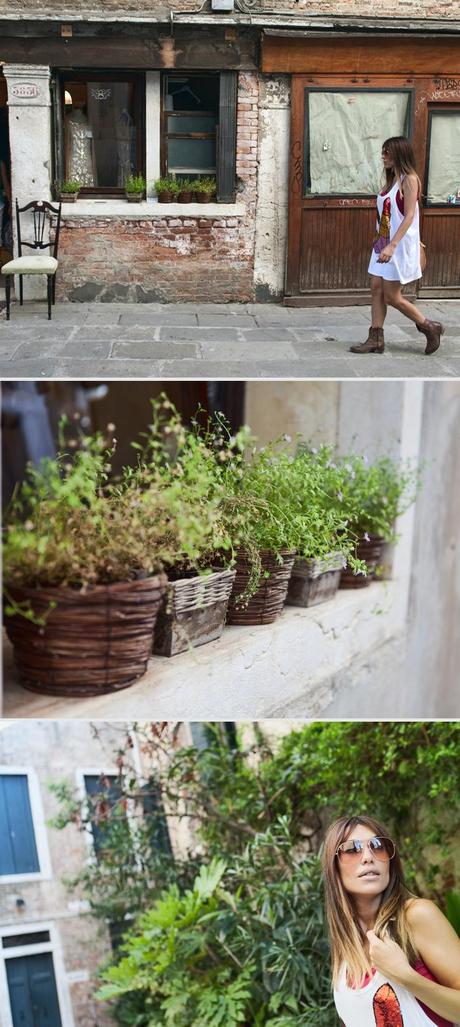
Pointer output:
369, 551
93, 642
192, 612
314, 581
266, 604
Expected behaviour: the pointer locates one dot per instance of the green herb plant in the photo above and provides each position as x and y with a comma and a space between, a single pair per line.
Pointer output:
135, 184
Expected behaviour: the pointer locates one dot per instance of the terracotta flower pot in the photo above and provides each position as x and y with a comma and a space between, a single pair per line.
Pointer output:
186, 196
314, 581
165, 197
266, 604
370, 550
205, 197
94, 641
192, 612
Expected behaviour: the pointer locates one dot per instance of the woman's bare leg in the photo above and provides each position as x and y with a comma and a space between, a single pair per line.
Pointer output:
393, 297
378, 305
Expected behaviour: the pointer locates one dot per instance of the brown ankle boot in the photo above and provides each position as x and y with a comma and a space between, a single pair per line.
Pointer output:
374, 343
433, 331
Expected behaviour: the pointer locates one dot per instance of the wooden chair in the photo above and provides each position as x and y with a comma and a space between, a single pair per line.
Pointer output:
34, 264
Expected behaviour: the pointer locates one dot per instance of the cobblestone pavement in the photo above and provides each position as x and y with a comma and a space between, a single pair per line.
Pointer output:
185, 340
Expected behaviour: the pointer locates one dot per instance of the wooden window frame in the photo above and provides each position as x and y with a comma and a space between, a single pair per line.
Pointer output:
225, 132
452, 109
410, 91
63, 75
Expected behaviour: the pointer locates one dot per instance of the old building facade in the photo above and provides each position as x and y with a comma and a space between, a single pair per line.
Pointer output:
285, 104
50, 946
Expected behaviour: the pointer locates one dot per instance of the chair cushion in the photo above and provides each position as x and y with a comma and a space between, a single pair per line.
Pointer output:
30, 266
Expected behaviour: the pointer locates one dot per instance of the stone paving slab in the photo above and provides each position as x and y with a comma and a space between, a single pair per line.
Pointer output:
212, 340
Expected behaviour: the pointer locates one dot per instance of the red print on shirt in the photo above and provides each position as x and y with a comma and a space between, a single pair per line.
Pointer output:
387, 1010
383, 229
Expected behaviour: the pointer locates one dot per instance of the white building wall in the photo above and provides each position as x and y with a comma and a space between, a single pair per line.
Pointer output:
272, 199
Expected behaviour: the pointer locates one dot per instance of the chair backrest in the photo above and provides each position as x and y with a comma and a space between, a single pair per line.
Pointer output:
41, 210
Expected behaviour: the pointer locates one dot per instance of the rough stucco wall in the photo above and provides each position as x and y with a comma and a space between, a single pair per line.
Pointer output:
272, 205
416, 673
45, 746
312, 408
433, 652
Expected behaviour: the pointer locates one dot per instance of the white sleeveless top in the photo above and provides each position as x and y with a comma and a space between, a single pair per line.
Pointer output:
404, 265
380, 1003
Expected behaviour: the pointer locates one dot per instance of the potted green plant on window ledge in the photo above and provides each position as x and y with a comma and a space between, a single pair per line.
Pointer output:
205, 190
167, 189
68, 190
186, 194
135, 188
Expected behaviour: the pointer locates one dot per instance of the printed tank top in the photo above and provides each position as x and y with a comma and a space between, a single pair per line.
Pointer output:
383, 1003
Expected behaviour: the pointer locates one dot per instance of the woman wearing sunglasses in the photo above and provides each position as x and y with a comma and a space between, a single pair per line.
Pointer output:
395, 958
395, 256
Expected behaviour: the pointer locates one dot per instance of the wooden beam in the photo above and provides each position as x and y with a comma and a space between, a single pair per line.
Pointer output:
364, 55
199, 50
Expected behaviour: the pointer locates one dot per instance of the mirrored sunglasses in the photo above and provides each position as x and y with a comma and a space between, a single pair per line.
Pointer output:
353, 848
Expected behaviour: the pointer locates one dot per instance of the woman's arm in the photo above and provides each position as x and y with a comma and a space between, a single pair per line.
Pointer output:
438, 946
410, 193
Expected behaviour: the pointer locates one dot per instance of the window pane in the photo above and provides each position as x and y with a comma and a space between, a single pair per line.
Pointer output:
191, 155
14, 941
103, 795
444, 165
18, 851
191, 123
345, 132
192, 93
99, 133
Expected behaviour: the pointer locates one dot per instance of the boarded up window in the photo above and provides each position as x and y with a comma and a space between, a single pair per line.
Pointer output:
344, 132
444, 157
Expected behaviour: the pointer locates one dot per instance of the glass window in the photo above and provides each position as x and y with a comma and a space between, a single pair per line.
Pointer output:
18, 850
344, 132
101, 131
106, 807
191, 111
444, 157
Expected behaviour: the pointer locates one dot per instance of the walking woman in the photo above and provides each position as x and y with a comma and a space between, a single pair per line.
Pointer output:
395, 958
395, 257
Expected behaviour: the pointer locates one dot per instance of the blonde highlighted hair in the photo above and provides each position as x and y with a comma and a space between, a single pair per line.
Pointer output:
347, 938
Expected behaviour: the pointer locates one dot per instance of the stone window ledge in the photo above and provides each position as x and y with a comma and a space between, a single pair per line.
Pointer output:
249, 672
144, 211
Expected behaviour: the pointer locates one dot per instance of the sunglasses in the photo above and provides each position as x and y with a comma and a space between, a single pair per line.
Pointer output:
351, 850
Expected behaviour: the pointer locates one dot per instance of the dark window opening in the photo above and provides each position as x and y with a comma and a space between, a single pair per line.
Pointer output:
14, 941
190, 119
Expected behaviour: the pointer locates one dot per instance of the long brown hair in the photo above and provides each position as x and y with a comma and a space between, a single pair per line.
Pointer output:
347, 938
401, 153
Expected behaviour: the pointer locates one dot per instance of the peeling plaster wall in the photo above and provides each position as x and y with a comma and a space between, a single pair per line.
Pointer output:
312, 408
272, 200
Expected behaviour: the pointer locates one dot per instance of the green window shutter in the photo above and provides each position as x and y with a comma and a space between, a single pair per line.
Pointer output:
18, 851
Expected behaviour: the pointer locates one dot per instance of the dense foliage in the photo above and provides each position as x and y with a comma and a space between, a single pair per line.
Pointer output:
232, 931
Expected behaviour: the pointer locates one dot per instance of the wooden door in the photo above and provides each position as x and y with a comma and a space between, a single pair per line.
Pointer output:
32, 990
331, 217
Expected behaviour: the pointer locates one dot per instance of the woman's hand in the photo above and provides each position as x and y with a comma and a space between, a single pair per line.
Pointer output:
386, 254
388, 957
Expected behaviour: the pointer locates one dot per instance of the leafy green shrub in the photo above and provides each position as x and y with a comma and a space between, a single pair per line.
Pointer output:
373, 494
70, 186
135, 184
167, 185
204, 185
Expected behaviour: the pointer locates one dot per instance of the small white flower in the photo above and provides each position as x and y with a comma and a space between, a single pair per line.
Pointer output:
340, 496
366, 537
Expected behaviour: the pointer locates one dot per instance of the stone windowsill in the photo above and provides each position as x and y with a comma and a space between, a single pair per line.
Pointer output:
120, 208
249, 672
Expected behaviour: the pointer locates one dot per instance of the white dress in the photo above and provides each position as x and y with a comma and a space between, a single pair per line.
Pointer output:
404, 265
380, 1003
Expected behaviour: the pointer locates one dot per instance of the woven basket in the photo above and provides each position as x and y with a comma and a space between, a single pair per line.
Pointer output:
93, 642
192, 612
314, 581
371, 553
266, 604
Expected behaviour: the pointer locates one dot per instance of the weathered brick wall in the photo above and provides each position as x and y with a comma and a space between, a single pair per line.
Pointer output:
362, 8
170, 258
